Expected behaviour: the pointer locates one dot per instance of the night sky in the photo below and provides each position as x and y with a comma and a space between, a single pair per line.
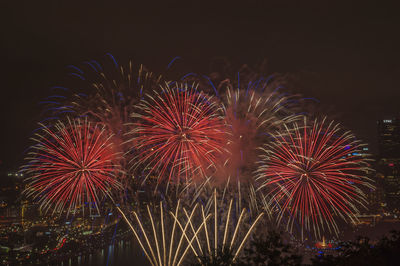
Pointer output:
347, 56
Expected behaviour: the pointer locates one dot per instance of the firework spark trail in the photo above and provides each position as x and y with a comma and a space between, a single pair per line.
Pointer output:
104, 93
152, 238
191, 231
179, 134
230, 240
111, 97
71, 164
114, 96
315, 172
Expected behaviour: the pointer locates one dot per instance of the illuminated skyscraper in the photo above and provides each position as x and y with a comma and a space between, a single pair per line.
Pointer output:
389, 159
389, 138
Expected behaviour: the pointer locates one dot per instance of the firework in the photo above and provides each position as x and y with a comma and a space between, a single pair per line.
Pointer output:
313, 173
251, 114
166, 241
179, 134
114, 95
71, 164
209, 242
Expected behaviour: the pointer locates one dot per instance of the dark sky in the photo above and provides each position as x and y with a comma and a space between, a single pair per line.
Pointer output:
346, 55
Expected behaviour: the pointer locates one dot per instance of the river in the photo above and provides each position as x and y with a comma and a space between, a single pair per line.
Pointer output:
122, 253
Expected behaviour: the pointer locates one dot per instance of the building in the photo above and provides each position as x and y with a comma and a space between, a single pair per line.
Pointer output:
389, 138
389, 159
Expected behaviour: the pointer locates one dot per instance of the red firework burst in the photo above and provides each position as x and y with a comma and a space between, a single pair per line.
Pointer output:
314, 173
72, 164
178, 134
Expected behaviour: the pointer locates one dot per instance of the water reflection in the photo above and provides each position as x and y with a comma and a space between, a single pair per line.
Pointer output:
121, 253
